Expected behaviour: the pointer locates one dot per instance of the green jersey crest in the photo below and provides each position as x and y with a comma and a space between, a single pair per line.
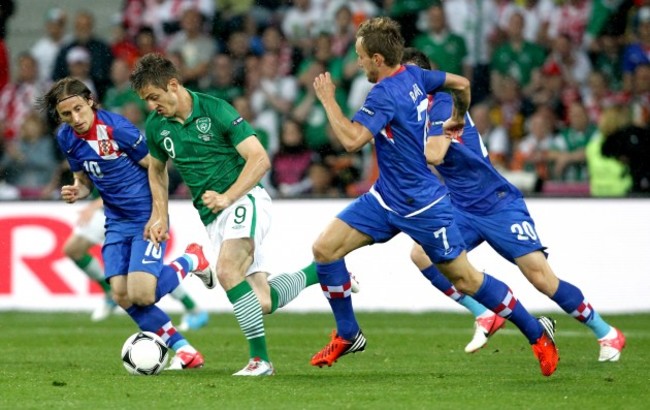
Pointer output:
203, 124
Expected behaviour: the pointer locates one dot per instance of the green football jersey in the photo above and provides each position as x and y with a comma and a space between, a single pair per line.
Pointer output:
518, 64
447, 53
202, 148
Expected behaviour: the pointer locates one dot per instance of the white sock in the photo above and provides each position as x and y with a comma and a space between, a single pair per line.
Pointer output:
194, 260
187, 348
485, 314
610, 335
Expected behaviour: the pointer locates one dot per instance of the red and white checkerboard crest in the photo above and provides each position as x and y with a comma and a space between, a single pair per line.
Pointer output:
102, 142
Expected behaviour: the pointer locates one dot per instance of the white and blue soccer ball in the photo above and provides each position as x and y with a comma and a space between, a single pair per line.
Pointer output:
144, 353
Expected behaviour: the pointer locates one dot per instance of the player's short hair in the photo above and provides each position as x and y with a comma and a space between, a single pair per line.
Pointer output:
381, 35
414, 56
155, 70
64, 88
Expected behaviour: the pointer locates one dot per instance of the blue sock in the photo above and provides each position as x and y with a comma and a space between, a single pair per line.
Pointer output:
443, 284
472, 305
572, 301
335, 282
180, 343
496, 296
172, 275
152, 319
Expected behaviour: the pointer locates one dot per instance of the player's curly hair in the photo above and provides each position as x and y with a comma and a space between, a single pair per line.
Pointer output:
155, 70
64, 88
381, 35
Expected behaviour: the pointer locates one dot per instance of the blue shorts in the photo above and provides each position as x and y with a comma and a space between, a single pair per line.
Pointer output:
125, 250
434, 229
511, 231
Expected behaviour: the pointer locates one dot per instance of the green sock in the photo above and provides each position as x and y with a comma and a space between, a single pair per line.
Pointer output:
248, 313
275, 299
188, 302
105, 287
93, 269
285, 287
310, 275
181, 295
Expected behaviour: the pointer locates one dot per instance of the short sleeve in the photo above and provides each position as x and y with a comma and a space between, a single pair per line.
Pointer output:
151, 130
131, 141
439, 111
237, 128
433, 80
377, 111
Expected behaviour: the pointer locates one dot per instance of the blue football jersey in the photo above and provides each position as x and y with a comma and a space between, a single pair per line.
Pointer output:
395, 112
109, 153
474, 184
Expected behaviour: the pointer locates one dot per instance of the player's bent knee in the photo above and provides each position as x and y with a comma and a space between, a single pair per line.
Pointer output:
467, 286
462, 275
142, 297
323, 252
228, 277
544, 282
122, 299
143, 301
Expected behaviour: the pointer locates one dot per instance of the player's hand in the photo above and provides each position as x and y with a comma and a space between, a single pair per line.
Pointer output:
70, 193
453, 128
215, 201
157, 230
324, 87
453, 135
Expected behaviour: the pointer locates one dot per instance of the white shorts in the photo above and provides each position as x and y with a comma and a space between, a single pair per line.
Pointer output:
94, 230
249, 217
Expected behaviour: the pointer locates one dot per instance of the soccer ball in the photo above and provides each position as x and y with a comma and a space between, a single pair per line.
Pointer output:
144, 353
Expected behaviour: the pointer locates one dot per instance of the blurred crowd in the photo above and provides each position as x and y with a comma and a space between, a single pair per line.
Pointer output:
560, 88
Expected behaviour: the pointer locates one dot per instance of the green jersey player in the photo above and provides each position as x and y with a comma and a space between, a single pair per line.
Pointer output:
222, 163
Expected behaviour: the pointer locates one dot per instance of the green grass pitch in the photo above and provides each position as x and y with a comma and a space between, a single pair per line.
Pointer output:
412, 361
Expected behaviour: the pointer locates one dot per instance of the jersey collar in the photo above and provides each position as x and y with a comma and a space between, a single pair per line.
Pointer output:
399, 70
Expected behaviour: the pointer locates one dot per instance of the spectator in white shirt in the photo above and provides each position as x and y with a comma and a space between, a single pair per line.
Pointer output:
46, 48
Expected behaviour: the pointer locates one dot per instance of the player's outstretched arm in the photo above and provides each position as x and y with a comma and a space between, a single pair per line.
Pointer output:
157, 229
79, 190
353, 136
